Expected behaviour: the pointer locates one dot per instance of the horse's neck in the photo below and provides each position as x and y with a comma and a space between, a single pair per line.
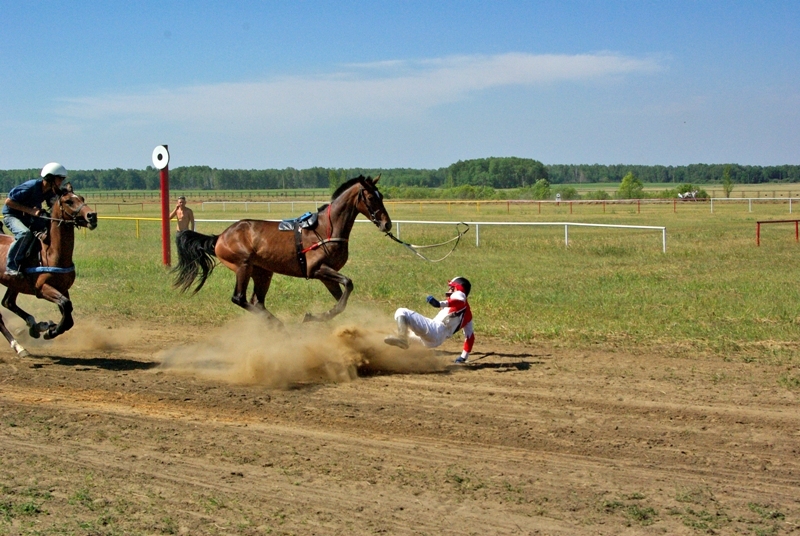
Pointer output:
342, 216
62, 240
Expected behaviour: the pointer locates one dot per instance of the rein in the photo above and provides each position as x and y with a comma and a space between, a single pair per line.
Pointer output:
414, 248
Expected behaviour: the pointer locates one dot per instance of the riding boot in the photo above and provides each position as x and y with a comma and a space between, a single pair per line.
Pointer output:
18, 253
401, 339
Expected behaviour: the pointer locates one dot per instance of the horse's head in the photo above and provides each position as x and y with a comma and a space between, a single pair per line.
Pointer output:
370, 203
71, 207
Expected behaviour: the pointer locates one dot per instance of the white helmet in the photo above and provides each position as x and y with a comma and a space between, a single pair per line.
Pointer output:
54, 168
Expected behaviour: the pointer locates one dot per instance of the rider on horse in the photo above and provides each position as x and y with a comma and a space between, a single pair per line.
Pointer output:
22, 211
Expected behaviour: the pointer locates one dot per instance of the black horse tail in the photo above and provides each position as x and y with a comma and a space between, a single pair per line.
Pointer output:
195, 254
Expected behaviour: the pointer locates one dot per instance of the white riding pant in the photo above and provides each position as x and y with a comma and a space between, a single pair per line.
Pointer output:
429, 332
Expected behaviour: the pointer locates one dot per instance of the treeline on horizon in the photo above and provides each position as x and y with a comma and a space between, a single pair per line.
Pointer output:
494, 172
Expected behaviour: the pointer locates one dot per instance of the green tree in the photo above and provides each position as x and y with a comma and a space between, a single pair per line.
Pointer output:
727, 183
333, 180
630, 187
541, 190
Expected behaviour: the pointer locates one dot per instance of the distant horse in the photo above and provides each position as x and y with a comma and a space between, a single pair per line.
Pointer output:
256, 249
52, 279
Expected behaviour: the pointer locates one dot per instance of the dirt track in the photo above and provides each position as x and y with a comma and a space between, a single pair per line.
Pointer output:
102, 439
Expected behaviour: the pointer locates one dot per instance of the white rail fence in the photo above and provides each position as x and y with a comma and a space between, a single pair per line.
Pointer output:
750, 201
477, 226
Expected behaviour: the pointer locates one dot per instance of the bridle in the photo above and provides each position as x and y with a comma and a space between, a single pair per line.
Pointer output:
362, 198
72, 214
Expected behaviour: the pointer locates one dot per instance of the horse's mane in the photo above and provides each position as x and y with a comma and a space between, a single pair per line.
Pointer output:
347, 185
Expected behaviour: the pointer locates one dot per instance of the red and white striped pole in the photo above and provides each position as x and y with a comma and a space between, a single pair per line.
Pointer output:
161, 162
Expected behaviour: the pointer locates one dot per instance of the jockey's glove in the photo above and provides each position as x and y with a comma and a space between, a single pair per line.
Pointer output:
433, 301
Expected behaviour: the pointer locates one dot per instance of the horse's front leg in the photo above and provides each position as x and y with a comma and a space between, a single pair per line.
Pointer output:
54, 295
334, 282
21, 352
10, 303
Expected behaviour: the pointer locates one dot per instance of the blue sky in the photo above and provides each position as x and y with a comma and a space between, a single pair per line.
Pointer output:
259, 85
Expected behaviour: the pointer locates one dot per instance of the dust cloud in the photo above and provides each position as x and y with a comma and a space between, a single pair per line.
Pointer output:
247, 351
85, 336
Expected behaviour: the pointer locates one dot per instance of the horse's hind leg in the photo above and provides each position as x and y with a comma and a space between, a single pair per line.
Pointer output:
333, 281
10, 303
21, 352
261, 281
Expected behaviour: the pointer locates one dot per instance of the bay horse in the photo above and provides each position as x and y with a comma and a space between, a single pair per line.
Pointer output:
51, 280
257, 249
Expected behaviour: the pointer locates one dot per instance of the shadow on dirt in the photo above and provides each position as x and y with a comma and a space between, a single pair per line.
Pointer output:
499, 367
94, 362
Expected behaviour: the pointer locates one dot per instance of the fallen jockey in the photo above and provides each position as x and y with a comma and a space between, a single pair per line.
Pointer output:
454, 315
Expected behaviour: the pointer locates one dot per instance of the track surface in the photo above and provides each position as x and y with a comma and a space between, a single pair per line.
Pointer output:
524, 440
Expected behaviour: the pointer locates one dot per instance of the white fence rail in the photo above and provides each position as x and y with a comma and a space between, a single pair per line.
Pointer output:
477, 226
750, 201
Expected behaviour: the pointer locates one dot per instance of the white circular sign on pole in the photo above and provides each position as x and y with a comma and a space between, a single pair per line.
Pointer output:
160, 157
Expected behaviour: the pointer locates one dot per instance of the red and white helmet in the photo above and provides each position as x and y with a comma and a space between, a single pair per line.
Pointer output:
459, 283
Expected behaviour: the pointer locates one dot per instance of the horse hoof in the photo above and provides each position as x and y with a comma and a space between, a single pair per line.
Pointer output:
17, 347
309, 318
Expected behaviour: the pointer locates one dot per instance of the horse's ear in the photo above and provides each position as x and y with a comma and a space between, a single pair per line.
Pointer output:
376, 179
68, 188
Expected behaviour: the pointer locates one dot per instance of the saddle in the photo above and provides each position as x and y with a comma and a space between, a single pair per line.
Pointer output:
309, 221
32, 261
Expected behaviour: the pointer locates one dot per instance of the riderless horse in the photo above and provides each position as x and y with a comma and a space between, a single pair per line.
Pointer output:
314, 248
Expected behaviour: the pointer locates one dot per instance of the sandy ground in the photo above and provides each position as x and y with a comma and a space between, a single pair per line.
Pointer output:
159, 430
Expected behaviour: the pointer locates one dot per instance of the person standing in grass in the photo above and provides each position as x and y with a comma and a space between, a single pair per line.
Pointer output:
454, 315
184, 214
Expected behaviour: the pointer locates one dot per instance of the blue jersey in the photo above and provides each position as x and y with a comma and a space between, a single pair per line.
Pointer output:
29, 194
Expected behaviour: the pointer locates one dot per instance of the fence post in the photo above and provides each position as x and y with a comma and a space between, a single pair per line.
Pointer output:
566, 235
758, 233
477, 235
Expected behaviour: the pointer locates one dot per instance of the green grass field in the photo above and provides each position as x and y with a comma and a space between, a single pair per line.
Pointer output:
713, 291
